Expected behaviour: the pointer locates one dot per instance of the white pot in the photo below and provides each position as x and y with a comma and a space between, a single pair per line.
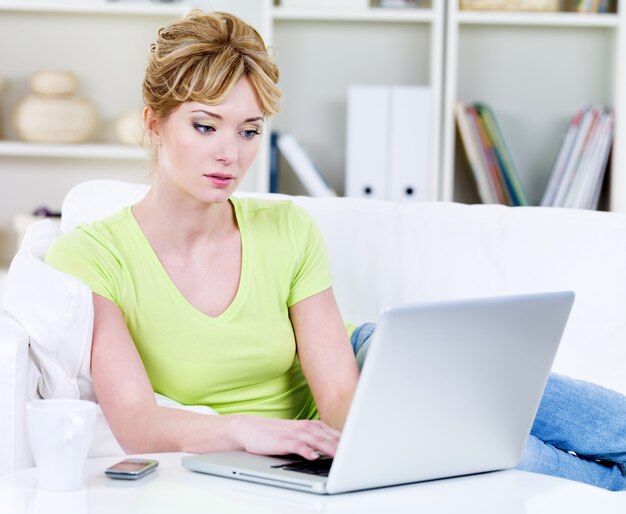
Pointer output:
129, 128
55, 120
54, 83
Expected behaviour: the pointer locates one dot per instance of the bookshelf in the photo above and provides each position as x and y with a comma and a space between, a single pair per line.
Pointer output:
535, 70
321, 51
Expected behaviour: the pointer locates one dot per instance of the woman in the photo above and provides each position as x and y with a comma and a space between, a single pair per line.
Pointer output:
205, 298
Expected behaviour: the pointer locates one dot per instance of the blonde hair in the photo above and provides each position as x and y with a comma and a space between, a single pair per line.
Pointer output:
201, 57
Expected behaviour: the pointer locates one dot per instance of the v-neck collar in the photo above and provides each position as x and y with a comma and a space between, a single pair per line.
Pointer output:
242, 288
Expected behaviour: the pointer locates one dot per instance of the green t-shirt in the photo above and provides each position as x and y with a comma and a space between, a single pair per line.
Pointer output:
242, 361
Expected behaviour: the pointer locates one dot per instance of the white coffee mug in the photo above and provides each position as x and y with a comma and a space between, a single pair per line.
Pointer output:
60, 434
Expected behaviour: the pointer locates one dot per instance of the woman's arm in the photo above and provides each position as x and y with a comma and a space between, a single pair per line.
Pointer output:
125, 394
325, 355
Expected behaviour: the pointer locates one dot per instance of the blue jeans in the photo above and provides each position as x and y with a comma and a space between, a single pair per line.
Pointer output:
579, 432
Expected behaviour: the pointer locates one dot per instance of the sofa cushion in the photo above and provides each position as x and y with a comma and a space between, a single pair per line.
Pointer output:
13, 397
57, 312
96, 199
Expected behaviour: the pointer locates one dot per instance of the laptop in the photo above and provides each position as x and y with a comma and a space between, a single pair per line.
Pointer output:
447, 389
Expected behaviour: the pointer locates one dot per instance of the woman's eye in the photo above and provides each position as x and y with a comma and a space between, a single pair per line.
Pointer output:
251, 133
203, 129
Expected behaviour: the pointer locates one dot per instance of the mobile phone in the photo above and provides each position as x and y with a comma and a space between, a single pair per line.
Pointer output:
131, 469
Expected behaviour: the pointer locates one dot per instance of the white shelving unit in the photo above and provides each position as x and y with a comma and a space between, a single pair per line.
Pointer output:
82, 151
322, 51
535, 70
373, 14
94, 7
538, 19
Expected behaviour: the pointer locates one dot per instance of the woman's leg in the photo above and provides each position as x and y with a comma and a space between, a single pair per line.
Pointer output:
573, 416
583, 418
360, 340
540, 457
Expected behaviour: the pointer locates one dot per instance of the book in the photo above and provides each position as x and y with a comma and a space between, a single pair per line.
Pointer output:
602, 162
503, 157
486, 148
575, 156
560, 165
593, 6
577, 190
274, 160
585, 190
489, 158
580, 166
312, 179
471, 143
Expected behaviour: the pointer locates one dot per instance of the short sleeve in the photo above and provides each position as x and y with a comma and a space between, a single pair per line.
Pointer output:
80, 254
312, 274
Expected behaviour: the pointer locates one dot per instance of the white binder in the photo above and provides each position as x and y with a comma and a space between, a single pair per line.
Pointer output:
389, 140
367, 141
410, 144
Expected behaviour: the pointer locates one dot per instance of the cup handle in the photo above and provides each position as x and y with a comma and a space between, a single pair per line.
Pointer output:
73, 426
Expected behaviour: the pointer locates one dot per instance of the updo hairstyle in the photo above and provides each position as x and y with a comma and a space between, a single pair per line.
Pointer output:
201, 57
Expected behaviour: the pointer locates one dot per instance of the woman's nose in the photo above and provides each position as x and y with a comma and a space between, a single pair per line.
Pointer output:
226, 149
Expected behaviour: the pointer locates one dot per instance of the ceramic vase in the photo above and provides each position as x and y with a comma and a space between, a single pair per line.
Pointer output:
52, 113
129, 128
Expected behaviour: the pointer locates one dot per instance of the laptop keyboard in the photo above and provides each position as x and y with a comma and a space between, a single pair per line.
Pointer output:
319, 467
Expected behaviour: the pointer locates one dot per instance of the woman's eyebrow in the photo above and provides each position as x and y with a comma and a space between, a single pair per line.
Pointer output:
219, 117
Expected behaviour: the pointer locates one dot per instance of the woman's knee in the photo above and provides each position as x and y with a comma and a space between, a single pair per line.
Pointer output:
360, 341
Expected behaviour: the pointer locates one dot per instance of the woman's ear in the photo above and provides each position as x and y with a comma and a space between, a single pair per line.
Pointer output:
151, 125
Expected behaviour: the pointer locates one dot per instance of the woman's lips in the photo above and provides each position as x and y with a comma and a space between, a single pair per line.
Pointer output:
220, 180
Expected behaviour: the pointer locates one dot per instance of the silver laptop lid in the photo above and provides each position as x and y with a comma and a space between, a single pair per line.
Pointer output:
448, 389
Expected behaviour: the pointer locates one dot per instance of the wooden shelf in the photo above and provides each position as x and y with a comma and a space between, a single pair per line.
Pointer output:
358, 15
72, 151
563, 19
95, 7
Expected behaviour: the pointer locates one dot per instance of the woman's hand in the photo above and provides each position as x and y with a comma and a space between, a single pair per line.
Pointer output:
267, 436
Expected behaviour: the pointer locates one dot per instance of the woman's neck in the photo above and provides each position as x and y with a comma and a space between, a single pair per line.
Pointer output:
174, 219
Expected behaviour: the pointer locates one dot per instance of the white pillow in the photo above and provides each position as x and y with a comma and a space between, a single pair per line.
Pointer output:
56, 310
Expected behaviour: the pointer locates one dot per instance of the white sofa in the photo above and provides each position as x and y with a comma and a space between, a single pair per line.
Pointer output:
384, 253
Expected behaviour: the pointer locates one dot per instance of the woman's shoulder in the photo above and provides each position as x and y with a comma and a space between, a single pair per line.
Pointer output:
278, 210
262, 203
95, 254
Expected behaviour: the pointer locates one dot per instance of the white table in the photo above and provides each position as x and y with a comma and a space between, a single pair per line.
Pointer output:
173, 489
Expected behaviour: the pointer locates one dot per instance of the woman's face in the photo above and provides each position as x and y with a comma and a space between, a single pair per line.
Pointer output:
205, 150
